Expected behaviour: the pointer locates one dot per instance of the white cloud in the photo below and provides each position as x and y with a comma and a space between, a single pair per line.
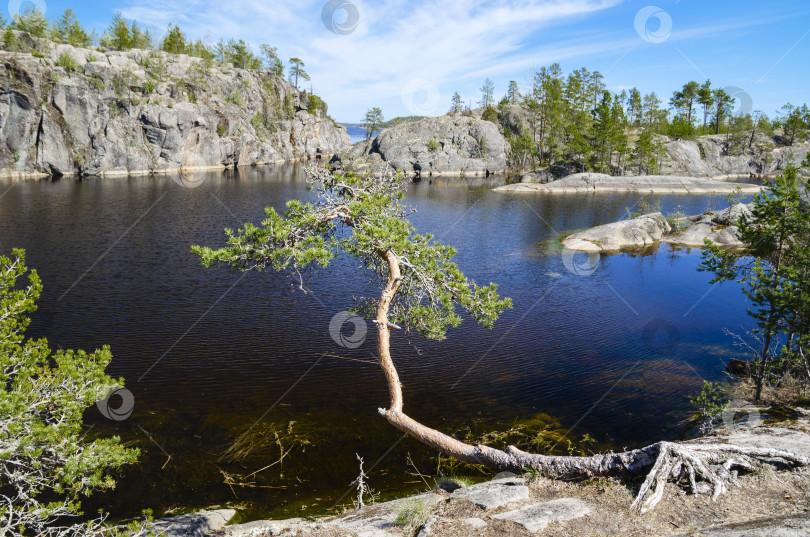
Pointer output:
395, 42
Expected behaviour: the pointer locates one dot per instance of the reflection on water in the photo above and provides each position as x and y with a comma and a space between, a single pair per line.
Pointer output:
232, 373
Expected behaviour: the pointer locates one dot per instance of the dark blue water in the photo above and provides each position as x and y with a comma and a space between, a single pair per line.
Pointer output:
358, 134
229, 372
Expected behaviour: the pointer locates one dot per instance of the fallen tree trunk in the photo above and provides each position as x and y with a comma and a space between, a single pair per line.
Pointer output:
703, 467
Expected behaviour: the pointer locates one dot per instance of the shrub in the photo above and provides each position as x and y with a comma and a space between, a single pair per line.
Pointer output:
710, 403
46, 464
235, 98
221, 130
97, 82
433, 145
67, 62
317, 105
490, 114
413, 513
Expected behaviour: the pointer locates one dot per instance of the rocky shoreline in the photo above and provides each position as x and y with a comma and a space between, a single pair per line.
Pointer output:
70, 111
648, 230
765, 504
582, 183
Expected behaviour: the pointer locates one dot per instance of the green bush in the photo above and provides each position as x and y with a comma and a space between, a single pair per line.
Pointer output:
97, 82
221, 130
711, 401
235, 98
67, 62
46, 463
490, 114
433, 145
317, 105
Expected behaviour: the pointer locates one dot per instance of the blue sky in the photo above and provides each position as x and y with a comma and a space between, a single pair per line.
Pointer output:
408, 57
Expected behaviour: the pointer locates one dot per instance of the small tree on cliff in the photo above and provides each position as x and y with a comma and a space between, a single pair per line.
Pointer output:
297, 71
424, 291
373, 121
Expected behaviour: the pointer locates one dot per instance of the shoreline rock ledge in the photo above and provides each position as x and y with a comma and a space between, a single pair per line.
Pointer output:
638, 233
642, 184
433, 147
720, 227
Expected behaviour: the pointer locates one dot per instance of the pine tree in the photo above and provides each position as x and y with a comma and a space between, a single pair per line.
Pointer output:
777, 237
32, 21
706, 98
602, 131
68, 30
652, 111
513, 93
685, 99
794, 123
722, 101
47, 465
635, 106
644, 153
297, 71
373, 122
487, 93
140, 39
272, 62
456, 104
174, 42
119, 35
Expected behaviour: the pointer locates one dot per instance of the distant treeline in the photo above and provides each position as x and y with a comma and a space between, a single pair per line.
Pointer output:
574, 119
124, 35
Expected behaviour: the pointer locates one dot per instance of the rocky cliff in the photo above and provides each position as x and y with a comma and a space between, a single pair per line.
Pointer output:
445, 145
73, 111
709, 156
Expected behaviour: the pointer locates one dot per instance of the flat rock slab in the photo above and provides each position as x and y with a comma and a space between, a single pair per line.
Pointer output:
638, 233
538, 516
789, 526
379, 520
476, 523
494, 494
645, 184
193, 525
782, 438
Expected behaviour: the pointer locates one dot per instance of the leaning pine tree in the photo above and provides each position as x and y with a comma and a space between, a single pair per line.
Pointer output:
423, 290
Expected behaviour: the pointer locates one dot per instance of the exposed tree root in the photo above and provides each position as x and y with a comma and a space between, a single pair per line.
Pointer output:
704, 468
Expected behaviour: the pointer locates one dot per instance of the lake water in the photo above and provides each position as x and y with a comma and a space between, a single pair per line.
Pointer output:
230, 373
357, 134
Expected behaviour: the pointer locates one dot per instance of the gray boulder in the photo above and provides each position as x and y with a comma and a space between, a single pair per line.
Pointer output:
720, 228
193, 525
494, 494
638, 233
538, 516
446, 145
